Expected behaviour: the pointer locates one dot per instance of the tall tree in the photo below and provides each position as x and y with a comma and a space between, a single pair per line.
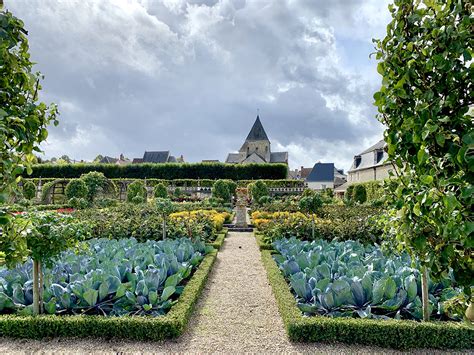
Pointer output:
426, 104
23, 120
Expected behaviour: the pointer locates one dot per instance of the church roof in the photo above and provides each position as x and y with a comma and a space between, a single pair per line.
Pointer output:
257, 133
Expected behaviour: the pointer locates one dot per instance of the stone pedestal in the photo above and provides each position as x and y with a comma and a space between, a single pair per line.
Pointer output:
241, 208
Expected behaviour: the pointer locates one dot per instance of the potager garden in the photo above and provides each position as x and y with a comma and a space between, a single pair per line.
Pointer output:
91, 250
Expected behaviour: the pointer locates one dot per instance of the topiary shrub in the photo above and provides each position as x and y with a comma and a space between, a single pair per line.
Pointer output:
348, 195
29, 190
136, 188
137, 200
96, 183
76, 188
160, 191
359, 194
258, 189
220, 190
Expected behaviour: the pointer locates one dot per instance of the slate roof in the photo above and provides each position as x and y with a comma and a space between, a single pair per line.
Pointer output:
137, 160
379, 145
305, 172
369, 159
233, 158
278, 157
108, 160
321, 172
257, 132
156, 157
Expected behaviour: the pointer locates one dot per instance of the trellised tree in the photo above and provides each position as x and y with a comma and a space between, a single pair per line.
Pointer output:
426, 104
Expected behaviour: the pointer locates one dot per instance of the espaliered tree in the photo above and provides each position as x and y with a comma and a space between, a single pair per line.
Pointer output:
426, 102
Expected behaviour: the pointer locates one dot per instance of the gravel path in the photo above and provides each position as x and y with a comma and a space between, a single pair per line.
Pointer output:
237, 313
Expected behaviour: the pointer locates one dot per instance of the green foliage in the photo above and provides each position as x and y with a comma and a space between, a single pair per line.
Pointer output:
258, 189
166, 171
311, 204
136, 189
23, 120
348, 279
160, 191
76, 188
96, 184
426, 104
29, 190
78, 202
390, 334
164, 206
121, 277
348, 195
223, 189
264, 200
170, 325
359, 194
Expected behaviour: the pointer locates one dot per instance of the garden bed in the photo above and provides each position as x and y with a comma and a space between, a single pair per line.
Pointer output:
170, 325
217, 243
398, 334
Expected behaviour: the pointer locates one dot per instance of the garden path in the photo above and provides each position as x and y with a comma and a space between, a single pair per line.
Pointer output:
237, 313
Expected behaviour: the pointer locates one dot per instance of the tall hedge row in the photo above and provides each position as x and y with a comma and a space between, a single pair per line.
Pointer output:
168, 171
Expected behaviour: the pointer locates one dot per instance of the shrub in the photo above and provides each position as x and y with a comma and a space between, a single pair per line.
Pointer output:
258, 189
136, 189
79, 203
221, 190
360, 193
349, 194
29, 190
76, 188
160, 191
96, 183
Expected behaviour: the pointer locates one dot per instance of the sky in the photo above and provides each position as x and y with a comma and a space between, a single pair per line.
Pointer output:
189, 76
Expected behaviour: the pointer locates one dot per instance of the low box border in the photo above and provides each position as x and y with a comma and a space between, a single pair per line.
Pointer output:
396, 334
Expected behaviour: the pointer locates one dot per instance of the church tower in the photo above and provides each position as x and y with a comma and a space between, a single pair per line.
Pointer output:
257, 142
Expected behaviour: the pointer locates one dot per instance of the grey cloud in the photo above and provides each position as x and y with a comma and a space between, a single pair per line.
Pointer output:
188, 76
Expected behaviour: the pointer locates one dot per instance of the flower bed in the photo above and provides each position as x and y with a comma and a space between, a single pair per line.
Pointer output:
330, 224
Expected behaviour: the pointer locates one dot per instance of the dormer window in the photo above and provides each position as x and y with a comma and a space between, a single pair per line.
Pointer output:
357, 161
378, 156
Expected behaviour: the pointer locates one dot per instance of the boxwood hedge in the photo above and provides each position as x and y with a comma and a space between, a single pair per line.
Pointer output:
168, 171
170, 325
398, 334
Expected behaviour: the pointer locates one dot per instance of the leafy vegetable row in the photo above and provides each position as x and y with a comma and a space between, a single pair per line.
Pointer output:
348, 279
109, 277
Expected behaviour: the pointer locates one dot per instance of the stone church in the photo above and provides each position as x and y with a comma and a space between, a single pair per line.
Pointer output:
256, 148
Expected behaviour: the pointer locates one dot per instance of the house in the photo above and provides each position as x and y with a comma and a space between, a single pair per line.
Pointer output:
324, 176
110, 160
369, 165
256, 148
156, 157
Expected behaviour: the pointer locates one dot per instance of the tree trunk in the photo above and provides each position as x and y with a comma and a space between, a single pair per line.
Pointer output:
36, 303
424, 294
41, 287
312, 226
164, 228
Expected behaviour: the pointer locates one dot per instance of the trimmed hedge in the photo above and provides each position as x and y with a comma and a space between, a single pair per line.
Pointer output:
217, 243
261, 244
167, 171
170, 325
277, 183
397, 334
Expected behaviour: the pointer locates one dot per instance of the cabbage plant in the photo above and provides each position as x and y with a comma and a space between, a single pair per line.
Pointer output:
109, 277
348, 279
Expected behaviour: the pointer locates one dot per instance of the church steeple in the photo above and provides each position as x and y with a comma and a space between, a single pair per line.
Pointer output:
257, 133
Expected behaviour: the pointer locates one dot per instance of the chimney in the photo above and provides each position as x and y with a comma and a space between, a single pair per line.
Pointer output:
122, 157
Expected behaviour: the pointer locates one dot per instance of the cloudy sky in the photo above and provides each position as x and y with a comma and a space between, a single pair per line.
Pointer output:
189, 75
